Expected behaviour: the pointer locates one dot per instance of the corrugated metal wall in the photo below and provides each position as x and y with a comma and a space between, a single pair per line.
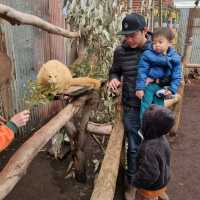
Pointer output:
182, 30
189, 25
29, 47
195, 33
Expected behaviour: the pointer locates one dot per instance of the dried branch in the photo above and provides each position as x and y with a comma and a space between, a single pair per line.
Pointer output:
15, 17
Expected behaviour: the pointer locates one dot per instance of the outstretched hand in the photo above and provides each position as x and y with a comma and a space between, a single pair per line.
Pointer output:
20, 119
114, 84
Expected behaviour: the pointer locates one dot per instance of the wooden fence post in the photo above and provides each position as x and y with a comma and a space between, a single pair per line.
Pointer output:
106, 182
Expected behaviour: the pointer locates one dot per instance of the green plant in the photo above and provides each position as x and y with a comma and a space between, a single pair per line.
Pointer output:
98, 21
38, 94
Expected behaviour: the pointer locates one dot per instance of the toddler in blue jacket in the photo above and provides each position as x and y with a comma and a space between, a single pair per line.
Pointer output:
159, 71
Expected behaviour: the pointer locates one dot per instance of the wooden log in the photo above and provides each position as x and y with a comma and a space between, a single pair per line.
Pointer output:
15, 17
192, 65
79, 155
106, 181
19, 162
99, 129
178, 107
186, 58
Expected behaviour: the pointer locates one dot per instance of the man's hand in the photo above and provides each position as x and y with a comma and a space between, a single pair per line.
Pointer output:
114, 84
139, 94
20, 119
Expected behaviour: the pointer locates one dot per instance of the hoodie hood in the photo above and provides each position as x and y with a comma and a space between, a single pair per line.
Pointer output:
157, 121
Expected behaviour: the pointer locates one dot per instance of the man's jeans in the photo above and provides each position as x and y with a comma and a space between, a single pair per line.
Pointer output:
131, 126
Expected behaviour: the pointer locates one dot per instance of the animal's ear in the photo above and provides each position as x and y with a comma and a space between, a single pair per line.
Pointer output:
44, 67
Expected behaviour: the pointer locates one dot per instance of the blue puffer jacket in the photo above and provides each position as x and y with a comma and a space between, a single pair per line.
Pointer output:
156, 65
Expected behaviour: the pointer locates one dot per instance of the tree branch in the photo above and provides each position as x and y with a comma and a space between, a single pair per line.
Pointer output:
15, 17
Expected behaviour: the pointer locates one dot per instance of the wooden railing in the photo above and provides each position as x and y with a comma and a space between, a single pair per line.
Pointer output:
107, 178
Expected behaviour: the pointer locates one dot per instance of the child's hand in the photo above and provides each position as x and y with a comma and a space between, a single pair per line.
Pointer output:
149, 80
139, 94
20, 119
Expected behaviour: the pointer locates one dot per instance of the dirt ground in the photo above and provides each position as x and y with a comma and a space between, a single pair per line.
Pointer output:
184, 184
45, 177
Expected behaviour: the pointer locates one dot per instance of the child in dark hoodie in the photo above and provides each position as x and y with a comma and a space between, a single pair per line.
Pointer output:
159, 66
153, 162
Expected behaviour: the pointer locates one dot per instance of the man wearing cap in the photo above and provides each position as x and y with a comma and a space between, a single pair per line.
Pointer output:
124, 70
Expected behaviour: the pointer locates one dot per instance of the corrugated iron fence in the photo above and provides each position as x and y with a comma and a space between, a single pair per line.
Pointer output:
25, 49
194, 32
189, 26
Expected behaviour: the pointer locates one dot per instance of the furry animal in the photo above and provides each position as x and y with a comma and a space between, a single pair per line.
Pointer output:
55, 72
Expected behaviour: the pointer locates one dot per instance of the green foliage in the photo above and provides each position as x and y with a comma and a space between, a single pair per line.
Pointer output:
86, 69
38, 94
105, 111
98, 21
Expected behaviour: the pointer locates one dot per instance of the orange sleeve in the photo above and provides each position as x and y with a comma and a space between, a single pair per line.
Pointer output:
6, 136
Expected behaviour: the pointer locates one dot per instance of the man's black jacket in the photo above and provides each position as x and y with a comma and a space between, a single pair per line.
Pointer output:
125, 66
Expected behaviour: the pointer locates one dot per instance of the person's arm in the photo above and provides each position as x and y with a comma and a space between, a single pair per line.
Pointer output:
142, 74
7, 131
143, 71
176, 75
115, 71
148, 171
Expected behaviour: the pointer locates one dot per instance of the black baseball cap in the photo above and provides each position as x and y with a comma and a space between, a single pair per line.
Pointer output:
132, 23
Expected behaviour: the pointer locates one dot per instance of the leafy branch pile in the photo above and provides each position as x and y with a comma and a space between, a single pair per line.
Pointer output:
38, 94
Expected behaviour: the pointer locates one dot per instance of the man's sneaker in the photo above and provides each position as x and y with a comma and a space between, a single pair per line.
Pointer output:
140, 134
161, 93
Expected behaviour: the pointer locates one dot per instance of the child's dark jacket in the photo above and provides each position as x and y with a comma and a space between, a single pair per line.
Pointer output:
153, 164
156, 65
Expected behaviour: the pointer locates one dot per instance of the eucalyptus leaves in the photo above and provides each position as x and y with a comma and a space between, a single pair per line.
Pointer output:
98, 21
